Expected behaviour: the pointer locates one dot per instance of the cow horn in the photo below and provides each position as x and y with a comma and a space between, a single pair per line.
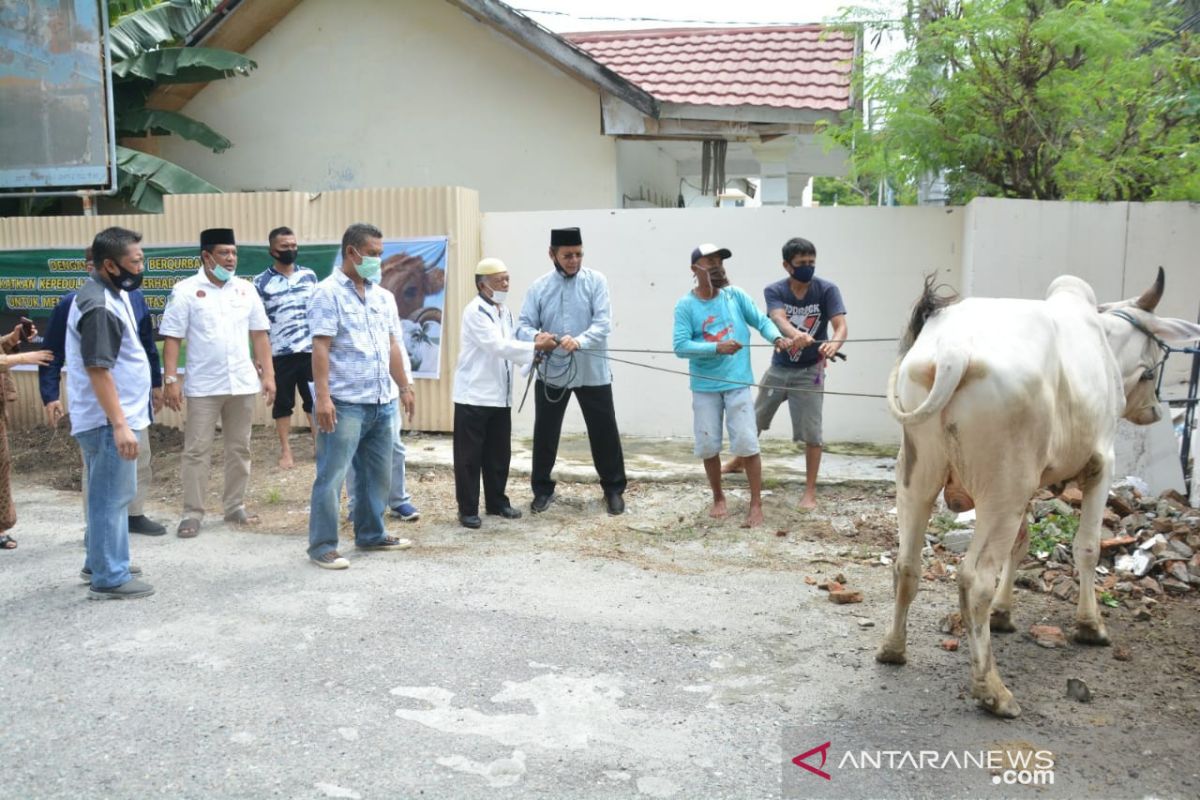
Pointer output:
1149, 299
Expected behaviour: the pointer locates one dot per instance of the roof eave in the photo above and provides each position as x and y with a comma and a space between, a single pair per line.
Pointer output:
748, 113
559, 51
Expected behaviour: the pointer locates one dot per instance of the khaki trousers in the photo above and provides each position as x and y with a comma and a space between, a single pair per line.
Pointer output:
144, 476
235, 412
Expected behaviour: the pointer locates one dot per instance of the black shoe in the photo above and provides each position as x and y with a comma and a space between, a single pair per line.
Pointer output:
615, 503
146, 526
470, 521
508, 512
541, 502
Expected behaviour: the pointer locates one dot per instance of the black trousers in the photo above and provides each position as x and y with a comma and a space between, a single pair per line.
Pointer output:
482, 446
596, 403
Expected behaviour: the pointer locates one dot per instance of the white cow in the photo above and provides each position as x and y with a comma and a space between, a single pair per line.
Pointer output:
1005, 397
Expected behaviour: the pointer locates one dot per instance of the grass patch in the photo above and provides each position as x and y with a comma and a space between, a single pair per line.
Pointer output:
1051, 530
274, 496
946, 521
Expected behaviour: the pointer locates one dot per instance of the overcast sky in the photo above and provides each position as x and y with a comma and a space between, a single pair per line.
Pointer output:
579, 15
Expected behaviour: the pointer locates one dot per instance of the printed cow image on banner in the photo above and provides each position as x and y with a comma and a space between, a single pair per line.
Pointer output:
414, 271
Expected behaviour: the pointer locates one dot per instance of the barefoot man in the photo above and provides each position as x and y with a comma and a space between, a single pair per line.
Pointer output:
712, 329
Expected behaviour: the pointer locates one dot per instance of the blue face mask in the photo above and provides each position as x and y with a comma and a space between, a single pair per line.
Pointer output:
222, 274
804, 274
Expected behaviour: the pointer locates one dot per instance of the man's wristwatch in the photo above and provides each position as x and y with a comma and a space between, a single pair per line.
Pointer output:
170, 379
408, 387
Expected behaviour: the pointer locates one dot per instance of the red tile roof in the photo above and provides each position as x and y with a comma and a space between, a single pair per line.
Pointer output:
806, 66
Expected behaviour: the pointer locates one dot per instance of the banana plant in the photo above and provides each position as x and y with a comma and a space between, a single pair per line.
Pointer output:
145, 40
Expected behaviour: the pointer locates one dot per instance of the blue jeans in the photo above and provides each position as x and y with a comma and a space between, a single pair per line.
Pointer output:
111, 486
398, 493
363, 436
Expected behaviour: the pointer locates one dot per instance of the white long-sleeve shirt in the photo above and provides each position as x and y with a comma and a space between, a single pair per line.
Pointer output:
486, 354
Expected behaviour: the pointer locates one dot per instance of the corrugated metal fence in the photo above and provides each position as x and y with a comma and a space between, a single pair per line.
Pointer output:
317, 217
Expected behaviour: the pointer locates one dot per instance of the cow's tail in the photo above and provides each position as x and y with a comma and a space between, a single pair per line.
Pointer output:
949, 368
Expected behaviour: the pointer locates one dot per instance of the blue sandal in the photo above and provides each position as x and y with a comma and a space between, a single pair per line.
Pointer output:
7, 542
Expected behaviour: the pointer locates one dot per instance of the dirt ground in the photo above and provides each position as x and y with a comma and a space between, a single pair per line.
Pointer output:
667, 530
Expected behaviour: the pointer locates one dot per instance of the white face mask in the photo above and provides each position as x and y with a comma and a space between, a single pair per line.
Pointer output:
499, 297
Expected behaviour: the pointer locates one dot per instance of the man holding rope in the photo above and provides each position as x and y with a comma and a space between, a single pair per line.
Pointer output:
803, 307
712, 330
572, 304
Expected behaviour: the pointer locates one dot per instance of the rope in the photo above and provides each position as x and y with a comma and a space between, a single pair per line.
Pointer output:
672, 352
572, 369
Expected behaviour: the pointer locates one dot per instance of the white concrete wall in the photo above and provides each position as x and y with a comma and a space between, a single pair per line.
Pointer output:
878, 257
645, 171
377, 93
1015, 248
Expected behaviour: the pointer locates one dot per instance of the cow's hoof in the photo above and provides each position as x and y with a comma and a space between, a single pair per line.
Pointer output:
1087, 633
887, 654
1001, 622
1008, 708
998, 700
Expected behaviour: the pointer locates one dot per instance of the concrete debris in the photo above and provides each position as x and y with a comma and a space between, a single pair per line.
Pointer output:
957, 541
845, 596
1048, 636
952, 624
1078, 690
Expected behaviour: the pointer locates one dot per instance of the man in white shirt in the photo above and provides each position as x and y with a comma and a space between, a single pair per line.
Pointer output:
214, 311
483, 395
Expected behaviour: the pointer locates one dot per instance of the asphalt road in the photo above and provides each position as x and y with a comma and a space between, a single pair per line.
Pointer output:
490, 666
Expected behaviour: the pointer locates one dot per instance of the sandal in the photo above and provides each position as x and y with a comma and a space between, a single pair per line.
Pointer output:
7, 542
240, 517
188, 529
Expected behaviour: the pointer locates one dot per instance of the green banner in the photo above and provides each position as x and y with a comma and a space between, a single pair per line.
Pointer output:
414, 270
33, 281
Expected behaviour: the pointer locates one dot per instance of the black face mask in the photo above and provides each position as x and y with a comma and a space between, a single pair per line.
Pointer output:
125, 280
718, 278
804, 274
285, 256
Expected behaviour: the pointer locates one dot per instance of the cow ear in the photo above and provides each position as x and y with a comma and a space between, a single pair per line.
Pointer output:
1174, 331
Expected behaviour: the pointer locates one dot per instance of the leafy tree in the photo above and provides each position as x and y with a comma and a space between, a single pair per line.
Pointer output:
1043, 99
144, 39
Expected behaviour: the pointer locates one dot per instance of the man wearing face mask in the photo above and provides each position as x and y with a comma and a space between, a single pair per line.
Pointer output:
50, 381
572, 304
483, 382
215, 312
358, 370
108, 394
712, 329
804, 307
285, 288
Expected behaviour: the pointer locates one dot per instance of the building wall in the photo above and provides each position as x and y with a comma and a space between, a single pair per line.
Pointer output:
878, 257
646, 173
422, 95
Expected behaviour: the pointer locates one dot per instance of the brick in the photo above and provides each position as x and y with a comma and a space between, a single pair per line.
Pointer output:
846, 596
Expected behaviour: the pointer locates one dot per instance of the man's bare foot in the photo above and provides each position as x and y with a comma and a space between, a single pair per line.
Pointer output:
755, 518
736, 464
285, 461
718, 510
809, 502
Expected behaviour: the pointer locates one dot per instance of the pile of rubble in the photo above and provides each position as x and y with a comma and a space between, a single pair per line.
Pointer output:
1150, 546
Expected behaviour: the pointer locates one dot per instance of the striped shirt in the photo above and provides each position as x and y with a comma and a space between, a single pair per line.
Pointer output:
361, 332
286, 299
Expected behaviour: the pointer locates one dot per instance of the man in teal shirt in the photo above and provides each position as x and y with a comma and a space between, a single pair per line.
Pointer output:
712, 329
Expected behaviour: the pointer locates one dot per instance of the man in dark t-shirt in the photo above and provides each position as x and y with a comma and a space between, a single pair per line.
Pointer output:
804, 308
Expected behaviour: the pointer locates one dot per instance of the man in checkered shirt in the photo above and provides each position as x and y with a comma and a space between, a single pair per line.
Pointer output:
357, 367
